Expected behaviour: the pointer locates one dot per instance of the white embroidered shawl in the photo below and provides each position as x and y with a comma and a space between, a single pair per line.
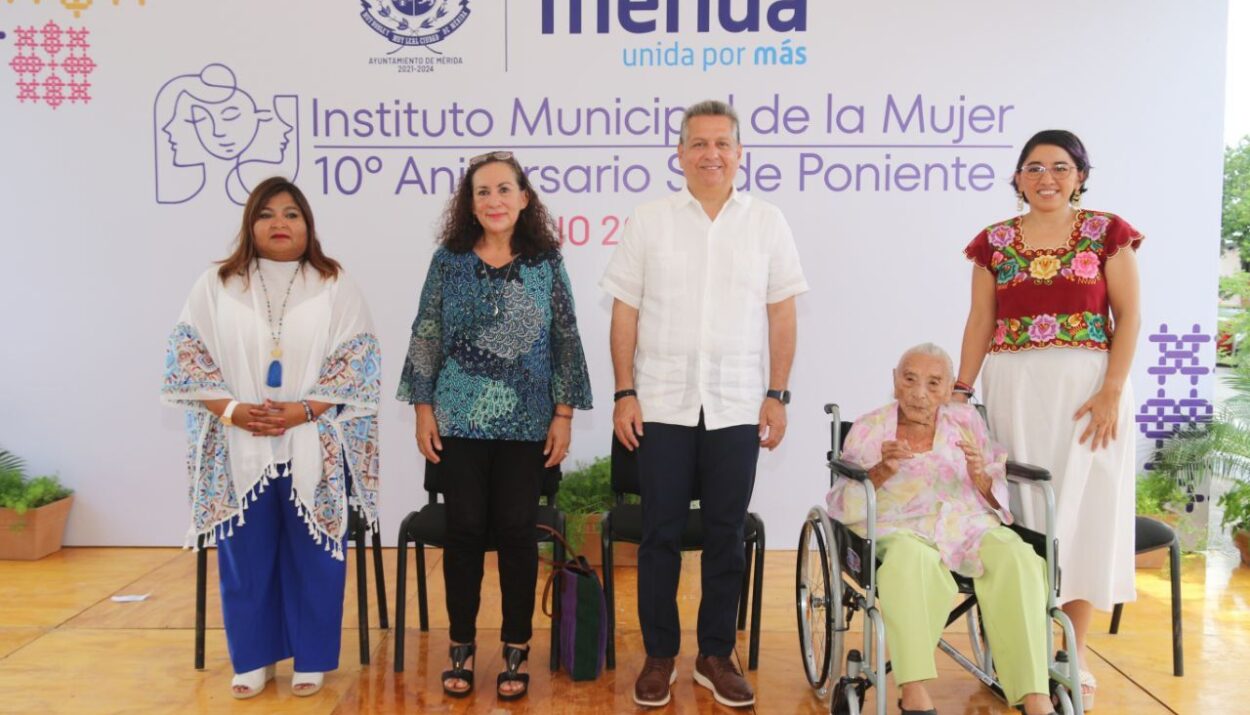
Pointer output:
220, 349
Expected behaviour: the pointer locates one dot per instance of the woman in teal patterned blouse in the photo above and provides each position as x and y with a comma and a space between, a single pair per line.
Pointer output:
494, 370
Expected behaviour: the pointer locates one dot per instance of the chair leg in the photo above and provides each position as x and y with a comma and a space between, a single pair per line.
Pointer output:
379, 578
401, 587
1178, 656
362, 590
609, 596
201, 600
423, 606
757, 601
1115, 618
746, 590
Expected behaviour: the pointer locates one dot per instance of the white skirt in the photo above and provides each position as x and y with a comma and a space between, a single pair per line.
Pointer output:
1031, 397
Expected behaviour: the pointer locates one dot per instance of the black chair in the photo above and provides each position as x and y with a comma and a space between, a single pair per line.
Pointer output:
428, 527
623, 522
1153, 534
356, 528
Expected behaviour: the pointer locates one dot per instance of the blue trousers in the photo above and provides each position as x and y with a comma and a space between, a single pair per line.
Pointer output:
281, 591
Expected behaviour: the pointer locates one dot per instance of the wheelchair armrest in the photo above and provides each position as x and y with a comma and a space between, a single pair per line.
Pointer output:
1021, 472
850, 470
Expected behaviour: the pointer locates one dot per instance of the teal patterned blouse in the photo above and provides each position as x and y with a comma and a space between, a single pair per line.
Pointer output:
495, 349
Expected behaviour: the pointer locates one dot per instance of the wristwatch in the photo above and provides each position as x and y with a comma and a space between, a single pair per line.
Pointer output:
782, 396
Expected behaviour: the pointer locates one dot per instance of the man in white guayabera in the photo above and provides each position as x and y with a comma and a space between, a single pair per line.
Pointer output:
700, 280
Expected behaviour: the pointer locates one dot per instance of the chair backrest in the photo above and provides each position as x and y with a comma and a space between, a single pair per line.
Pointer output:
551, 482
624, 469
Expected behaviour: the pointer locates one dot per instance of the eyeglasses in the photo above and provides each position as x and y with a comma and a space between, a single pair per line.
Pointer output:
1035, 172
490, 156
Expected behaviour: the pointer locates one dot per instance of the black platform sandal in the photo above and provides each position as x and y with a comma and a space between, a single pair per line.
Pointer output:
513, 657
460, 654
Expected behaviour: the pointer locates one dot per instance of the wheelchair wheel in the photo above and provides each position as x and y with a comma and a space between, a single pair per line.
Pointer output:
1064, 698
818, 596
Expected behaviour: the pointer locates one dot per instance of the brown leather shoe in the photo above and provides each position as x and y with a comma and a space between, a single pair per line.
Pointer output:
651, 690
718, 674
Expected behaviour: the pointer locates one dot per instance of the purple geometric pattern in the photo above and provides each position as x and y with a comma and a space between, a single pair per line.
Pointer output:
39, 58
1176, 404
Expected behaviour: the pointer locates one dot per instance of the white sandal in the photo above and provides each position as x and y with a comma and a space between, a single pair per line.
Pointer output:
312, 683
253, 680
1088, 681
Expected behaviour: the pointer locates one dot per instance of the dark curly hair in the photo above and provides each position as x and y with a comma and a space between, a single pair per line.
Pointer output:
535, 231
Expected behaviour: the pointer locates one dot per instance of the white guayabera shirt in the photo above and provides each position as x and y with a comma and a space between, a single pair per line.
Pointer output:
702, 288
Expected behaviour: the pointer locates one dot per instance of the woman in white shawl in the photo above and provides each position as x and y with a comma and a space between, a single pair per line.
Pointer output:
276, 359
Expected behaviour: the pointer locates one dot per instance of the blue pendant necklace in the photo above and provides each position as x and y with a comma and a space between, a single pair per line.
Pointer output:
274, 377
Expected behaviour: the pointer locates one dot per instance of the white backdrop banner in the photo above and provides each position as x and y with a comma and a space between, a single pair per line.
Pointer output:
131, 133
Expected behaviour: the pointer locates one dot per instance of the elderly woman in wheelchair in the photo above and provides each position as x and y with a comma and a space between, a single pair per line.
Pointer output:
940, 492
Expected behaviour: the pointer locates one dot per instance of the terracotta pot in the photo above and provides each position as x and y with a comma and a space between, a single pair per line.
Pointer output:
1242, 539
35, 534
592, 547
1158, 558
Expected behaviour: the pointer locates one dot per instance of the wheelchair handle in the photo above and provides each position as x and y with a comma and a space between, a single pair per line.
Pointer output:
1027, 472
850, 470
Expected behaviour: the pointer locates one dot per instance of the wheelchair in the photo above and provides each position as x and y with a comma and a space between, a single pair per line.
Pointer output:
836, 578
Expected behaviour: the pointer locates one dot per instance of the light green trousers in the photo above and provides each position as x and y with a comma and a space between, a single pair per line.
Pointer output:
917, 593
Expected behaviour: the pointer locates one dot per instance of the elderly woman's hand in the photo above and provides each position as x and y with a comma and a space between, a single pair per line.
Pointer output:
1102, 409
559, 438
893, 452
976, 468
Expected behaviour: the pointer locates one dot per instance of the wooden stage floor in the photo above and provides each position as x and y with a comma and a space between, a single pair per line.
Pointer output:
65, 647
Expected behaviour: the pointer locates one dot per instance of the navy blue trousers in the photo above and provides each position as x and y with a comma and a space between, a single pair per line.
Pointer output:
281, 591
675, 465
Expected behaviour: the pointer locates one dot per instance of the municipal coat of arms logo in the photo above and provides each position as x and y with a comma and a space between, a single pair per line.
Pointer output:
418, 23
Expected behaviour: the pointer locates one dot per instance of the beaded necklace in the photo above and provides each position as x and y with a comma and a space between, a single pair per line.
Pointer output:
274, 378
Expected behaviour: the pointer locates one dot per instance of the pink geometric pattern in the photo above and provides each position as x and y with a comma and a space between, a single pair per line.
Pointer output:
52, 65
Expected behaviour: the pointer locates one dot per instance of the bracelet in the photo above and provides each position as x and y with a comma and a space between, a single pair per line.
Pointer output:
622, 394
228, 413
308, 413
560, 416
964, 388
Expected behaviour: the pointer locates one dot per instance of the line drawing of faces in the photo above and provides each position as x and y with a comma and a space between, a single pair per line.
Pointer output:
268, 155
205, 125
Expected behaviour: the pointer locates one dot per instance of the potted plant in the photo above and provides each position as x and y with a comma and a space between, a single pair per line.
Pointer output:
1158, 497
585, 493
33, 511
1236, 504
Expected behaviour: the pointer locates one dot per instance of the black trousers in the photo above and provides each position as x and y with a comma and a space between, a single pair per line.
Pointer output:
674, 464
491, 488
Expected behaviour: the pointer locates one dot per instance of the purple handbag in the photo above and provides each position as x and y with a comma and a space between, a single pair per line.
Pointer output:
582, 613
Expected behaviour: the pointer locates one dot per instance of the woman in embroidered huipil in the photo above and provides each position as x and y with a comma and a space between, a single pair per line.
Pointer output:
495, 369
941, 491
275, 359
1055, 306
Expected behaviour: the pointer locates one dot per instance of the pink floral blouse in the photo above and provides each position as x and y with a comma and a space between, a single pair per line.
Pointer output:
932, 494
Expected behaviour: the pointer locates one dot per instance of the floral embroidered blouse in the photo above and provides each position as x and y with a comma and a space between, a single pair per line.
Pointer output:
932, 494
1050, 297
495, 349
